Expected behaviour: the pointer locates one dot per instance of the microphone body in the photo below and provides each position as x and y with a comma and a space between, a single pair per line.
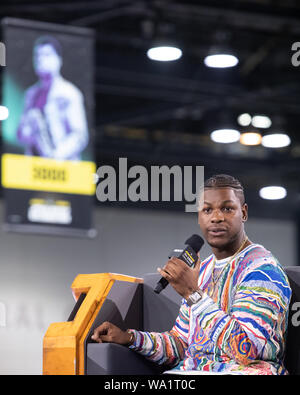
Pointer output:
188, 255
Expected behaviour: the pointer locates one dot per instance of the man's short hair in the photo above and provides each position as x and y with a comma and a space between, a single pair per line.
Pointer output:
219, 181
49, 40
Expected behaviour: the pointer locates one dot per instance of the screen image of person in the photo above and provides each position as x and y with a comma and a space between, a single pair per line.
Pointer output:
53, 123
234, 312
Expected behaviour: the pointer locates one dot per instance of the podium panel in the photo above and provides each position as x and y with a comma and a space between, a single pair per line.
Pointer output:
65, 343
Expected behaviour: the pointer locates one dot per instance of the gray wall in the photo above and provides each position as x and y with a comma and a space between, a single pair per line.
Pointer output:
36, 271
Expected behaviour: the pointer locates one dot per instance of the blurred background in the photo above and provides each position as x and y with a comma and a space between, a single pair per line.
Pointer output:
225, 95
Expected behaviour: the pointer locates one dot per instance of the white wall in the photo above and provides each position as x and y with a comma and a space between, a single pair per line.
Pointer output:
36, 271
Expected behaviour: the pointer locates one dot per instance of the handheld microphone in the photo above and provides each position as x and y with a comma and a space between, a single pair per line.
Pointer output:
187, 255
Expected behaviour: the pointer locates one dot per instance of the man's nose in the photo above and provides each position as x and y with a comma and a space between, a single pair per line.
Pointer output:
217, 216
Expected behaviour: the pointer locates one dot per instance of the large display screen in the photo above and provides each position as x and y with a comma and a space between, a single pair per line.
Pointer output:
47, 158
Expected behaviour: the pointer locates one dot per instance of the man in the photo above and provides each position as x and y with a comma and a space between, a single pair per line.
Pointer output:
233, 316
53, 124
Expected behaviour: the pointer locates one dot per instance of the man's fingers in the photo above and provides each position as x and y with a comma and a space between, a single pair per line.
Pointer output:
106, 338
101, 338
100, 331
197, 265
170, 268
98, 339
96, 335
173, 268
175, 260
110, 333
163, 273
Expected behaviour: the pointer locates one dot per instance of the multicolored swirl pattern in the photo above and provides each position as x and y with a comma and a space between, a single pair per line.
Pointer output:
240, 329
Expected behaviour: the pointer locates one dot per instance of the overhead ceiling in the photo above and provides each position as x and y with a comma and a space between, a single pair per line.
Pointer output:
163, 112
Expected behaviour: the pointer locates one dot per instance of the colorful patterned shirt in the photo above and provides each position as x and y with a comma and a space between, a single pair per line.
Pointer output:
238, 328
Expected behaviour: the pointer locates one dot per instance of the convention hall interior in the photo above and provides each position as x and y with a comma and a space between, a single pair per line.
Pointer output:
223, 95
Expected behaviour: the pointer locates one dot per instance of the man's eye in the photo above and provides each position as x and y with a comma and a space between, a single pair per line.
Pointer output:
228, 209
207, 210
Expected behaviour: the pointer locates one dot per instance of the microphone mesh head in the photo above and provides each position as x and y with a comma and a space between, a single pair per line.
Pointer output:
196, 242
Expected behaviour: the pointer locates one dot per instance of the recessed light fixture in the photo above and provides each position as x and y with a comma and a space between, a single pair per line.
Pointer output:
261, 121
221, 60
4, 113
250, 138
276, 140
164, 53
272, 193
225, 136
244, 119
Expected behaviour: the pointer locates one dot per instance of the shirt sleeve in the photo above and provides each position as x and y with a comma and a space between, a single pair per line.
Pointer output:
254, 328
162, 348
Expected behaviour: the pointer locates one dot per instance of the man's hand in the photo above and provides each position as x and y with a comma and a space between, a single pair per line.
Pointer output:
110, 333
182, 277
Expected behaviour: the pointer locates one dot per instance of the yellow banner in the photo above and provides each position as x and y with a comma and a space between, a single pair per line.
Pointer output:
43, 174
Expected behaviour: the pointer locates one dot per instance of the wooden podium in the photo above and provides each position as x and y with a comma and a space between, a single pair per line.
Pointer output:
64, 342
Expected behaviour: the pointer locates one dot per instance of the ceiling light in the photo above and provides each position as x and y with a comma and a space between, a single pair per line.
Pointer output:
244, 119
250, 138
225, 136
272, 193
261, 121
276, 140
221, 60
3, 113
164, 54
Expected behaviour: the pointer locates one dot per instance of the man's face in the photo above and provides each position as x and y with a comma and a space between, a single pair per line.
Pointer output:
46, 61
221, 217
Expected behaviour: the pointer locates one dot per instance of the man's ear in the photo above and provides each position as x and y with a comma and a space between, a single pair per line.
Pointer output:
244, 212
